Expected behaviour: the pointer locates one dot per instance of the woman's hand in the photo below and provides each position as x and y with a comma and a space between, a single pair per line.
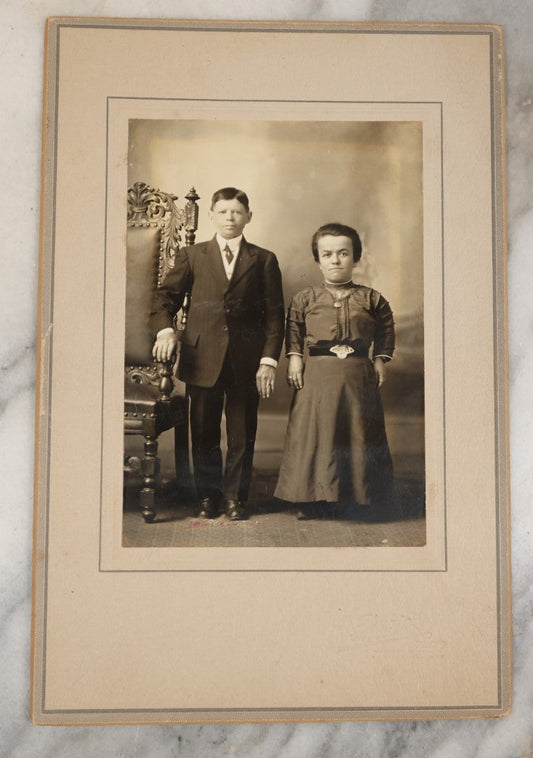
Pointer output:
295, 372
379, 370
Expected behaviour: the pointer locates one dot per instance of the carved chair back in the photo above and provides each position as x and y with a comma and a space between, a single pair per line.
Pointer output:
156, 230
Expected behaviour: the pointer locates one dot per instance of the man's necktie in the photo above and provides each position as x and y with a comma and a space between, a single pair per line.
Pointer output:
229, 254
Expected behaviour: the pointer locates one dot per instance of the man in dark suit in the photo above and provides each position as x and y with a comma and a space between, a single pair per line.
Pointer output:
229, 349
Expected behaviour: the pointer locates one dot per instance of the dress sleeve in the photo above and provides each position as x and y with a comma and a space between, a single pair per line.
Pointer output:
384, 337
295, 326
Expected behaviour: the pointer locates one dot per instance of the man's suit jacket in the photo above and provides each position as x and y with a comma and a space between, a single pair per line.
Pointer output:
244, 315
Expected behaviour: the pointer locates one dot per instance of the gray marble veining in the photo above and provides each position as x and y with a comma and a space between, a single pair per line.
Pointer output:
22, 46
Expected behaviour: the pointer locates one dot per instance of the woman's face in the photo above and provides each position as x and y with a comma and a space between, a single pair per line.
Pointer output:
335, 258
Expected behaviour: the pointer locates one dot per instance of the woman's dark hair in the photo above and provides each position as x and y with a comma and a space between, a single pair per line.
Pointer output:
337, 230
231, 193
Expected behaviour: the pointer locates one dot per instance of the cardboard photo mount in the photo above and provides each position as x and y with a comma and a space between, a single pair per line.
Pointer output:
177, 635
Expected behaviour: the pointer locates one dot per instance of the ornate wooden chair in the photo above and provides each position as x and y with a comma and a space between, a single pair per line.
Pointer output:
153, 400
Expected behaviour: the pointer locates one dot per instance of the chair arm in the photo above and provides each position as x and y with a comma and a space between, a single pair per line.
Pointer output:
166, 383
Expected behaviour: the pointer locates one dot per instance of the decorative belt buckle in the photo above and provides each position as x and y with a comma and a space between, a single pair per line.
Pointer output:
341, 351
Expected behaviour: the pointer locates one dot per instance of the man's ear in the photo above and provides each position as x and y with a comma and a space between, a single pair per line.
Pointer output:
249, 217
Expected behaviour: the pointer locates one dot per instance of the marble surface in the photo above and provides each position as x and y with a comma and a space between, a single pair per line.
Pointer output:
21, 53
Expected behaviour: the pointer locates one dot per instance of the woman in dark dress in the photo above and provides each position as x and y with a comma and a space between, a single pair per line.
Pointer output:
336, 451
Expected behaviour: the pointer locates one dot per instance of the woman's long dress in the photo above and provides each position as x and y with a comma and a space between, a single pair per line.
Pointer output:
336, 448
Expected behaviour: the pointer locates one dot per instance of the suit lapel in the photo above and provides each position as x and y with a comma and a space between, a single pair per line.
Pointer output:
243, 264
215, 265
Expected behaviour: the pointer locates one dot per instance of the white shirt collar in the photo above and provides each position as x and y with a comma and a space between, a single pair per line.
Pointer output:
234, 243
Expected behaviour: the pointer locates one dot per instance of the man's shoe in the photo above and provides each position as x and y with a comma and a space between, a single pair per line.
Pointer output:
235, 510
208, 508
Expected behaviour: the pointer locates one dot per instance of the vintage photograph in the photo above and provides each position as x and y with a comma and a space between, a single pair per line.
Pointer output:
274, 335
272, 374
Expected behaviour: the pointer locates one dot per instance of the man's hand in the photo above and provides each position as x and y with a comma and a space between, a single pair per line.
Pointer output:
295, 372
265, 380
379, 370
165, 347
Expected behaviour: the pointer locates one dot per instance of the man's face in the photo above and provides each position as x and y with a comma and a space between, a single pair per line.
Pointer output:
229, 217
335, 258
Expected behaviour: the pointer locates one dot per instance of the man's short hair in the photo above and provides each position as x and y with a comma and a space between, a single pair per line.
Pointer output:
338, 230
231, 193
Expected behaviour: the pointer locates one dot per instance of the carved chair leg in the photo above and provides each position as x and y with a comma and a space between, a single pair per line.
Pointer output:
150, 469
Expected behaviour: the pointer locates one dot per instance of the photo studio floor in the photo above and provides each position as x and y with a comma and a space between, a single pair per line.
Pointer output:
272, 523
